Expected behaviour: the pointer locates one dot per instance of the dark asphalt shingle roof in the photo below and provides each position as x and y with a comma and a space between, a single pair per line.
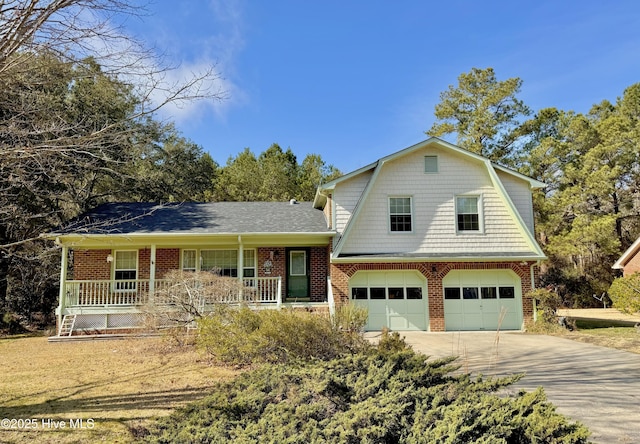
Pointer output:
200, 218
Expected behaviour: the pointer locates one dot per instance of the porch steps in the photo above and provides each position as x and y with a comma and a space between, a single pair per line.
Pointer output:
66, 327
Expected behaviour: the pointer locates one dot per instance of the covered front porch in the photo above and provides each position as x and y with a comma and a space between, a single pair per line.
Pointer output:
105, 306
114, 290
119, 259
141, 292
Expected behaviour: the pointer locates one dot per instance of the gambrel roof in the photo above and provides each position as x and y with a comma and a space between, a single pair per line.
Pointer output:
318, 202
493, 171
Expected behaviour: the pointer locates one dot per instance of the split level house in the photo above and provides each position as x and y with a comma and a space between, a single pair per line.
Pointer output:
432, 237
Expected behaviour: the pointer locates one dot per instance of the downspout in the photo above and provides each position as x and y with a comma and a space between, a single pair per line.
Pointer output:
152, 273
533, 287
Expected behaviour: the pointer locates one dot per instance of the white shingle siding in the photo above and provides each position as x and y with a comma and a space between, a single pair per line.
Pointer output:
434, 217
346, 197
520, 195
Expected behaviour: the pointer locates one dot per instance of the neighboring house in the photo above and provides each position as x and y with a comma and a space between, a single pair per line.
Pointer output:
432, 237
629, 262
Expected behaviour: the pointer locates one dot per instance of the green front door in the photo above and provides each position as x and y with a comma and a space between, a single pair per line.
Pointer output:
298, 274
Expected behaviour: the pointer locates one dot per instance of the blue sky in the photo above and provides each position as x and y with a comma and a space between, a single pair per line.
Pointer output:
356, 80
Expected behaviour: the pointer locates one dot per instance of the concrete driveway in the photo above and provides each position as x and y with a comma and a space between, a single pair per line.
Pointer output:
597, 386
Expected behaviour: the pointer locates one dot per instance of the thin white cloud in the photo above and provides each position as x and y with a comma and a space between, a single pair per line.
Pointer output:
220, 50
204, 63
216, 86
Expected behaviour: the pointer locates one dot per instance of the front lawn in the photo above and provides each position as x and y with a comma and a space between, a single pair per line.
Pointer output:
606, 334
121, 385
118, 391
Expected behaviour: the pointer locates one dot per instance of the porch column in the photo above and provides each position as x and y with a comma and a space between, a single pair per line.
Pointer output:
64, 265
152, 272
240, 264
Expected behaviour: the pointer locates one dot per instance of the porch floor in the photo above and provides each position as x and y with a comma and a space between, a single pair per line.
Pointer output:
102, 337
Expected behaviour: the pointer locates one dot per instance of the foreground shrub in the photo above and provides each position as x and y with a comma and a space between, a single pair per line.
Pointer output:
547, 303
10, 324
241, 336
625, 293
547, 321
350, 318
387, 395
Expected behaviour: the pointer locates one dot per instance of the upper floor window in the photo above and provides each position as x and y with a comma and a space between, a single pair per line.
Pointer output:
400, 219
467, 213
430, 164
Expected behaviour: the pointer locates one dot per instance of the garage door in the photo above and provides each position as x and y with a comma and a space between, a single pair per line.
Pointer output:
394, 299
482, 300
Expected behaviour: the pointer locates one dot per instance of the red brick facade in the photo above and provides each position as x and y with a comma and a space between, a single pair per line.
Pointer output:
93, 265
276, 257
434, 272
319, 269
319, 272
632, 266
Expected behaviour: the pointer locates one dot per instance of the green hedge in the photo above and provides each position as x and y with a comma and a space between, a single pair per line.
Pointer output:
386, 395
241, 336
625, 293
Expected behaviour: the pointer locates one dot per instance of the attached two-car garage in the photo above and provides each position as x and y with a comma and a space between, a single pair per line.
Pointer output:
472, 299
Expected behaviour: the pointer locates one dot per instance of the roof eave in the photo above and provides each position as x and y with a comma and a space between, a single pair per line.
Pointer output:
628, 254
114, 239
433, 259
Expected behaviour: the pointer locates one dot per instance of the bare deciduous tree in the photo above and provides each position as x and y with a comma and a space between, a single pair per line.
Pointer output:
77, 110
186, 296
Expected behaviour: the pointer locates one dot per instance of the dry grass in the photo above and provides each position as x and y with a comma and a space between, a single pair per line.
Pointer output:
120, 384
621, 338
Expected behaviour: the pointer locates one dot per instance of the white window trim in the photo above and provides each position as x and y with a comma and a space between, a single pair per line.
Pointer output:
113, 270
115, 261
255, 262
480, 229
199, 257
413, 219
182, 251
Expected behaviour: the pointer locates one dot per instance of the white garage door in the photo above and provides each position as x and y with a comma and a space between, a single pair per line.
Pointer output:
482, 300
394, 299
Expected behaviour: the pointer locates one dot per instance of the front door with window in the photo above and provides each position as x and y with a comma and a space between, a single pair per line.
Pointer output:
297, 274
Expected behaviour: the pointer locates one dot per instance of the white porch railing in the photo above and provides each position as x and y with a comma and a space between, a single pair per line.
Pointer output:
86, 293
